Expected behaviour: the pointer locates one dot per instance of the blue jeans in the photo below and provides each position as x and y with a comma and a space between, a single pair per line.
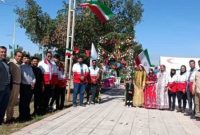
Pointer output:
78, 88
4, 98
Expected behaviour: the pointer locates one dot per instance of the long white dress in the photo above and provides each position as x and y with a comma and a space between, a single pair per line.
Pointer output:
162, 95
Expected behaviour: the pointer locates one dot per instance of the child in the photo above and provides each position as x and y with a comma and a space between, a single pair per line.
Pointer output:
129, 92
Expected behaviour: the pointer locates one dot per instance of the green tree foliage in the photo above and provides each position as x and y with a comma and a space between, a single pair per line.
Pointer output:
43, 30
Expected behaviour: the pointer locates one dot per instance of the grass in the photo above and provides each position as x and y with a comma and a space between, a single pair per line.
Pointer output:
7, 129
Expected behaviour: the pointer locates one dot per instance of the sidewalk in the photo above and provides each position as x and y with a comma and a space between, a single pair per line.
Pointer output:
113, 118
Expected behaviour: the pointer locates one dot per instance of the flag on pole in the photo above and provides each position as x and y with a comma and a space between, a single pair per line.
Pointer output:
143, 58
68, 52
99, 9
93, 55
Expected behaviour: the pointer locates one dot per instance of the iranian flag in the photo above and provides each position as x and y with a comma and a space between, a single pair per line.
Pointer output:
68, 52
143, 58
99, 9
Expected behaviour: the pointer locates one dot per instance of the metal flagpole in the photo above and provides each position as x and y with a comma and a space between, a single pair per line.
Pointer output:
69, 43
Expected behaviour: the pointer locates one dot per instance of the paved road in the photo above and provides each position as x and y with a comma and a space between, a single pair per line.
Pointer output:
113, 118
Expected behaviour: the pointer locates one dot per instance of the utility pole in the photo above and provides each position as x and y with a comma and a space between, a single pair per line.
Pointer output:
70, 43
14, 35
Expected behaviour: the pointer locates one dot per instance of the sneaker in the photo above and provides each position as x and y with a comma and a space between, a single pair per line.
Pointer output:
74, 105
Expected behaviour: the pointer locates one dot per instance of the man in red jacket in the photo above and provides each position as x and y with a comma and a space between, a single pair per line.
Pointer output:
50, 77
80, 75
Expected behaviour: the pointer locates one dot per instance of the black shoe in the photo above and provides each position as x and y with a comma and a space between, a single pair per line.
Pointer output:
183, 111
192, 117
179, 110
197, 118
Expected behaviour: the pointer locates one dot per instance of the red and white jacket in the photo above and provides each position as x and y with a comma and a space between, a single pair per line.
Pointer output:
171, 83
182, 82
93, 73
50, 72
62, 79
76, 69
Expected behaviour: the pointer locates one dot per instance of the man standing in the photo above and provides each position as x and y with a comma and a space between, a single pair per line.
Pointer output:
38, 89
26, 89
94, 80
80, 74
15, 70
50, 78
196, 92
189, 89
4, 83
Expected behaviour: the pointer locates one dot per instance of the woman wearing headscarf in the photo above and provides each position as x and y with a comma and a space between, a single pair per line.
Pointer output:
161, 91
139, 84
150, 90
171, 87
181, 89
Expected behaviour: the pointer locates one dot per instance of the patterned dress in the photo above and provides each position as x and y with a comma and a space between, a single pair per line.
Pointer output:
150, 92
162, 95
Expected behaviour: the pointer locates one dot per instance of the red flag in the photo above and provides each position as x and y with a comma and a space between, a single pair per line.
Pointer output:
76, 50
87, 53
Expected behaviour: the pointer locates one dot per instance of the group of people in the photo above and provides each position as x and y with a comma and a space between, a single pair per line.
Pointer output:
159, 90
86, 79
24, 76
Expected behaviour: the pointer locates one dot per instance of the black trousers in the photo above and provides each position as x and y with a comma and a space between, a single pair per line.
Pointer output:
24, 102
182, 97
88, 88
172, 99
47, 94
38, 100
4, 98
60, 97
190, 99
53, 96
93, 91
129, 98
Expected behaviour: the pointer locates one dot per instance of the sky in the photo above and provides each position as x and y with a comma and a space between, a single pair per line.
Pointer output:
167, 28
170, 28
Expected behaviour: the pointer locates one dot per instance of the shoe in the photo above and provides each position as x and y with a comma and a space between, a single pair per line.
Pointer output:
10, 121
192, 117
183, 111
179, 110
197, 118
74, 105
83, 105
172, 109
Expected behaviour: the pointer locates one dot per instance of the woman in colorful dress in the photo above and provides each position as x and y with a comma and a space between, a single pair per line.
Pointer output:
139, 84
150, 90
161, 89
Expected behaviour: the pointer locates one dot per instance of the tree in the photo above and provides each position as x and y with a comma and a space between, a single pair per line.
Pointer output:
36, 23
43, 30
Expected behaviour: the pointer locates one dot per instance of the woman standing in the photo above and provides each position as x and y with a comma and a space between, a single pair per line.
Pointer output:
139, 84
181, 89
171, 87
162, 95
150, 90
